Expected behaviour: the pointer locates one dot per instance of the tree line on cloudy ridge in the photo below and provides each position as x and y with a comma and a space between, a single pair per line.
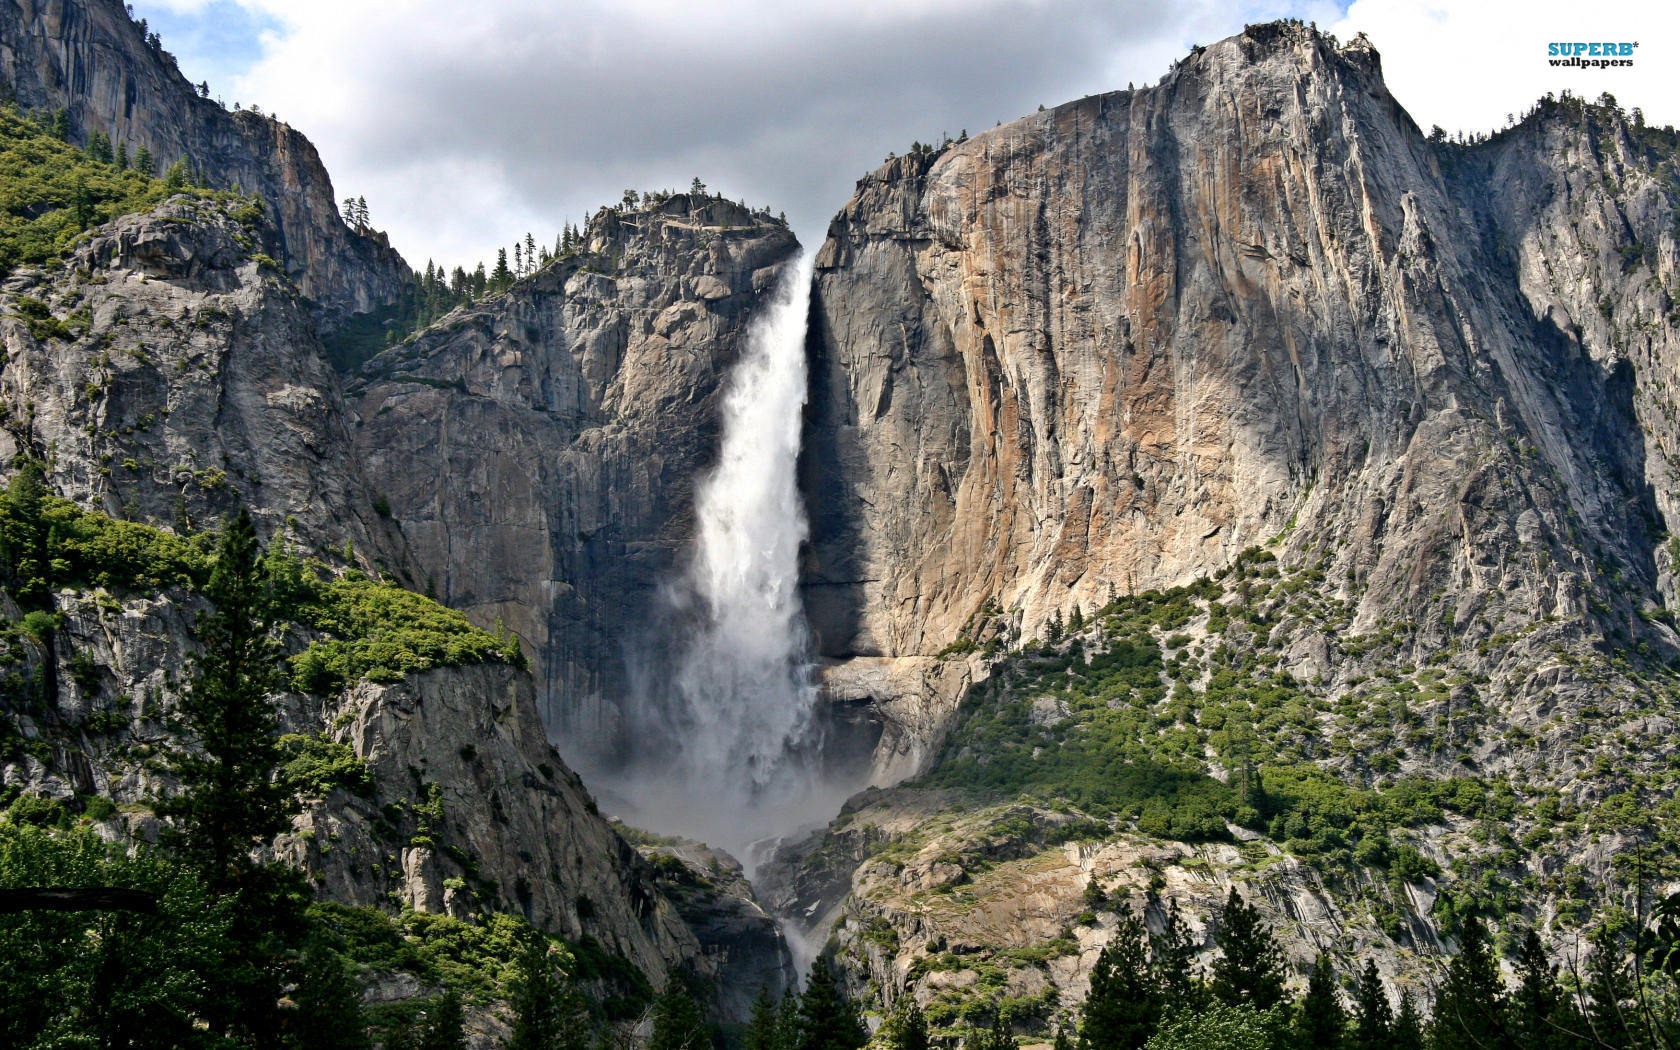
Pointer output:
1147, 993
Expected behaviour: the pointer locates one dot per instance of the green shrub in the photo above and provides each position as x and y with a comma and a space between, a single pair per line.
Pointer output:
315, 765
50, 192
381, 633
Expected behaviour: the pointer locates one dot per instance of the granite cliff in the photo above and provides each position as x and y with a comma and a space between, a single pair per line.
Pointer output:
587, 400
92, 60
175, 375
1108, 347
1235, 425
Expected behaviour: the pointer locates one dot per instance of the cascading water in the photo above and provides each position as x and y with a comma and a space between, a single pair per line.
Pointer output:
731, 754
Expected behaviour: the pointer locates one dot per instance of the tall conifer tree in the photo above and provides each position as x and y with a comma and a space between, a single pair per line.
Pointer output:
1123, 1008
1469, 1009
1249, 970
827, 1019
1319, 1018
1373, 1018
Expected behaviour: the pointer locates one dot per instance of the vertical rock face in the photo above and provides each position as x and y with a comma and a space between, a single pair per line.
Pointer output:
1111, 345
539, 449
90, 59
183, 379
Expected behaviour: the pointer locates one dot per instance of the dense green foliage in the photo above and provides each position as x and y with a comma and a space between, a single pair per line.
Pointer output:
380, 632
823, 1018
548, 1011
1132, 713
105, 978
314, 765
237, 957
50, 191
678, 1023
372, 630
1217, 1027
1627, 998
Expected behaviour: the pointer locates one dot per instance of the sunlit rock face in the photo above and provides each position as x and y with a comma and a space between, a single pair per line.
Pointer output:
1109, 346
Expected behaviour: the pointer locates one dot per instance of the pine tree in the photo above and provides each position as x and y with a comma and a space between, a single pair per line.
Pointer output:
1469, 1006
1172, 962
1122, 1009
1076, 619
229, 799
143, 162
547, 1013
1373, 1019
827, 1019
1053, 629
328, 1010
677, 1021
23, 538
99, 148
763, 1032
1540, 1016
122, 156
1408, 1024
362, 222
1249, 970
81, 202
1319, 1018
530, 252
445, 1025
906, 1029
501, 277
787, 1021
176, 177
1612, 1024
997, 1037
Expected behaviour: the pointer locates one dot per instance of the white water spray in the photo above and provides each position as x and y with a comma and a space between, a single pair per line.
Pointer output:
746, 677
740, 765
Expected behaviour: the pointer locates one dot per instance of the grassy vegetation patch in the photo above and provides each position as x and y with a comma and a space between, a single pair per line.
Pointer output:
50, 192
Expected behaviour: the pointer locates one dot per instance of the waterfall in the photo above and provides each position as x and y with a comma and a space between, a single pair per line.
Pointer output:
732, 752
745, 679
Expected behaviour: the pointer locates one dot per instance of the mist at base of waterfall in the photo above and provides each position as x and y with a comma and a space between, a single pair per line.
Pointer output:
723, 738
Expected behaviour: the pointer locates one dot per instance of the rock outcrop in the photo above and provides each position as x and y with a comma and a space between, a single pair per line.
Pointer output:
539, 449
174, 376
166, 374
89, 58
1111, 345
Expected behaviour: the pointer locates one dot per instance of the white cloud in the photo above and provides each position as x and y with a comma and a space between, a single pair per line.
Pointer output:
466, 125
1465, 66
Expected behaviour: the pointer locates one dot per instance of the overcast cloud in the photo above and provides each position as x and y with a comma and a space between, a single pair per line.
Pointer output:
466, 125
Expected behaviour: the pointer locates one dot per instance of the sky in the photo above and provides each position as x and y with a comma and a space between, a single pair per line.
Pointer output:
467, 125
